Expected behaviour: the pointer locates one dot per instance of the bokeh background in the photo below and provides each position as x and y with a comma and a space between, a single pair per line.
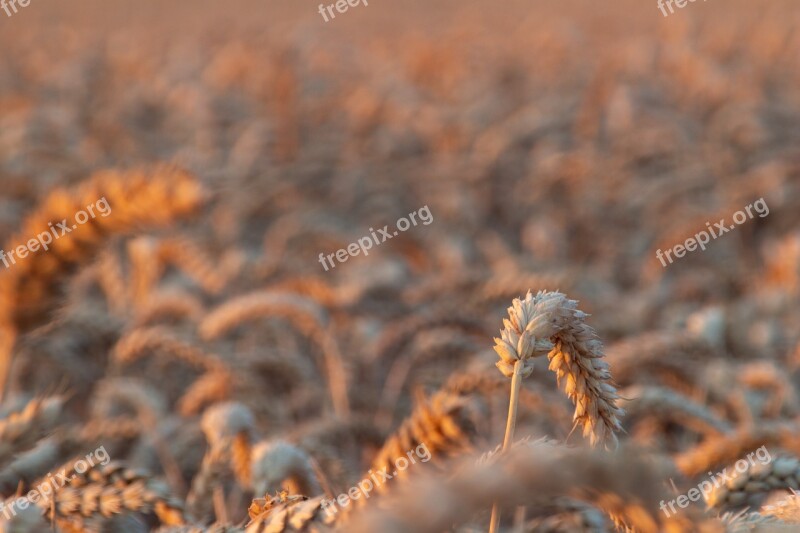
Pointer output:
558, 145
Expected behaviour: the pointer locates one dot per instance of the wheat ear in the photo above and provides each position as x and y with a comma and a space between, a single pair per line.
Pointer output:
787, 510
780, 474
551, 324
138, 200
285, 513
280, 465
447, 425
231, 426
228, 428
104, 491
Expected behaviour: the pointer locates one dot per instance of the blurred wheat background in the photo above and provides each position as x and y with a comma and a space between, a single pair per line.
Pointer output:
235, 383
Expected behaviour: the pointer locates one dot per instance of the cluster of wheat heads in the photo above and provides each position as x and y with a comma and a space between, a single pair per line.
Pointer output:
237, 385
220, 444
552, 486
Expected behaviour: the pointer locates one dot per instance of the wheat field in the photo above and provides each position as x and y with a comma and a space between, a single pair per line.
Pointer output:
519, 359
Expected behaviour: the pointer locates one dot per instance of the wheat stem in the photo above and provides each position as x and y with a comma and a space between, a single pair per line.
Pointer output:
516, 382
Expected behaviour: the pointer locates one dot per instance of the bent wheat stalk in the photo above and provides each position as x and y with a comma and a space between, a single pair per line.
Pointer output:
551, 324
140, 199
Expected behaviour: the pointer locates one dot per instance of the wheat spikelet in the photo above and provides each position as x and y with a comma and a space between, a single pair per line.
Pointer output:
285, 513
787, 509
142, 341
278, 465
106, 490
747, 522
447, 424
780, 474
549, 322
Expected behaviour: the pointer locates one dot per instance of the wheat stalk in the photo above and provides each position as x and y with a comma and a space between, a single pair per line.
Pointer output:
551, 324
